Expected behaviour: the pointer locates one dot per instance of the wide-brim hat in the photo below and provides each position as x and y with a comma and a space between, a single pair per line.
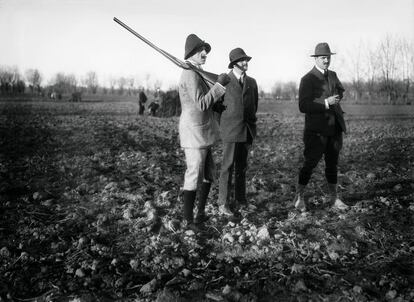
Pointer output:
193, 44
322, 49
237, 55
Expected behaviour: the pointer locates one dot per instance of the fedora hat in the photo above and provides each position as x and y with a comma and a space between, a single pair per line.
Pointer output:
237, 55
322, 49
194, 44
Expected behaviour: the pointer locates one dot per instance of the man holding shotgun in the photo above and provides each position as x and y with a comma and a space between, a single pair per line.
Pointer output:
198, 129
200, 93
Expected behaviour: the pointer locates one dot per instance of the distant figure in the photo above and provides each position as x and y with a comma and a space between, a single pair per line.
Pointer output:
320, 93
55, 96
142, 99
76, 96
153, 107
159, 99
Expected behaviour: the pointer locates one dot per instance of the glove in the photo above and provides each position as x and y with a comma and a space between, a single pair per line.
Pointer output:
219, 107
223, 79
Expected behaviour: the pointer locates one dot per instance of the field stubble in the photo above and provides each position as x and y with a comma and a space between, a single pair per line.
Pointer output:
90, 201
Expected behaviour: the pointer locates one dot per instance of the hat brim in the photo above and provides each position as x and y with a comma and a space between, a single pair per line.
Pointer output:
323, 54
247, 58
197, 49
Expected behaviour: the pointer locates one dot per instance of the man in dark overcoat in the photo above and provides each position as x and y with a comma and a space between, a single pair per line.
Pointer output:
142, 99
237, 130
320, 94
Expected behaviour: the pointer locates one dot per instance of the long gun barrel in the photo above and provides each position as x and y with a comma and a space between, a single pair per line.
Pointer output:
208, 76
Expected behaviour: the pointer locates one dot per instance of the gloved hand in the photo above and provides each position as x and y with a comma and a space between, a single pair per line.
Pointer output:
219, 107
223, 79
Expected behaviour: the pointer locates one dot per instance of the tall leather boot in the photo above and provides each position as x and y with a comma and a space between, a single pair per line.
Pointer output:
189, 198
334, 199
202, 200
299, 200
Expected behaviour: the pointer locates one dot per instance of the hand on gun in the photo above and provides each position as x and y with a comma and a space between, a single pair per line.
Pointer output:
333, 100
223, 79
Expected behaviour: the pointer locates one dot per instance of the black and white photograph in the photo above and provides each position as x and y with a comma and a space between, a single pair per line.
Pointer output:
207, 151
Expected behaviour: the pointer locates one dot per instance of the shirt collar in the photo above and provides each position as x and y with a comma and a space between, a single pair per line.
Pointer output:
237, 73
194, 64
321, 70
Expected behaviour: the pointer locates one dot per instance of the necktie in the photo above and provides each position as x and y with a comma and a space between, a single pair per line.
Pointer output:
241, 80
325, 74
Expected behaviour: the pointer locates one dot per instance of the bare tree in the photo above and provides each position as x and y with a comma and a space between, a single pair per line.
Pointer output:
356, 68
121, 84
91, 81
290, 91
130, 83
9, 78
112, 83
406, 66
372, 71
34, 78
387, 58
63, 83
276, 90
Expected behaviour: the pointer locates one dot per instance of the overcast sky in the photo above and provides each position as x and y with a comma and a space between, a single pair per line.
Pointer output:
77, 36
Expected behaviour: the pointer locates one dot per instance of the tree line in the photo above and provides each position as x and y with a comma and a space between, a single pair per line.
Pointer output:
12, 83
380, 74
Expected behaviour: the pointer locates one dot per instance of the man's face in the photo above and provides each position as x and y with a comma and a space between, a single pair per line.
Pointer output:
200, 57
323, 62
242, 66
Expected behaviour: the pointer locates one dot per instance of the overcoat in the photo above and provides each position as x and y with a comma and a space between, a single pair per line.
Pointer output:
314, 88
198, 128
240, 114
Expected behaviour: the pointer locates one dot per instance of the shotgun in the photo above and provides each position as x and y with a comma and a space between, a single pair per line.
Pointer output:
208, 76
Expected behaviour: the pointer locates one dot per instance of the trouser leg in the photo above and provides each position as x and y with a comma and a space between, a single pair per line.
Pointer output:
240, 163
208, 177
202, 200
334, 146
314, 149
226, 173
189, 198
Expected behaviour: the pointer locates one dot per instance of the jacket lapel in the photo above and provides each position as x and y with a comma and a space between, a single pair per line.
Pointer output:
321, 77
317, 73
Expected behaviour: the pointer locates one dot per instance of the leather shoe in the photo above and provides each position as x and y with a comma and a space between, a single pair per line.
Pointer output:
299, 202
340, 205
224, 210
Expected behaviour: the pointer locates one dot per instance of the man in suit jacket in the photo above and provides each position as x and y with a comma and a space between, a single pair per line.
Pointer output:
320, 93
237, 130
142, 99
198, 129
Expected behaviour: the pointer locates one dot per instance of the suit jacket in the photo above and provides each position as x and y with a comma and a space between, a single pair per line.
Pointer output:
142, 98
313, 90
240, 114
197, 126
